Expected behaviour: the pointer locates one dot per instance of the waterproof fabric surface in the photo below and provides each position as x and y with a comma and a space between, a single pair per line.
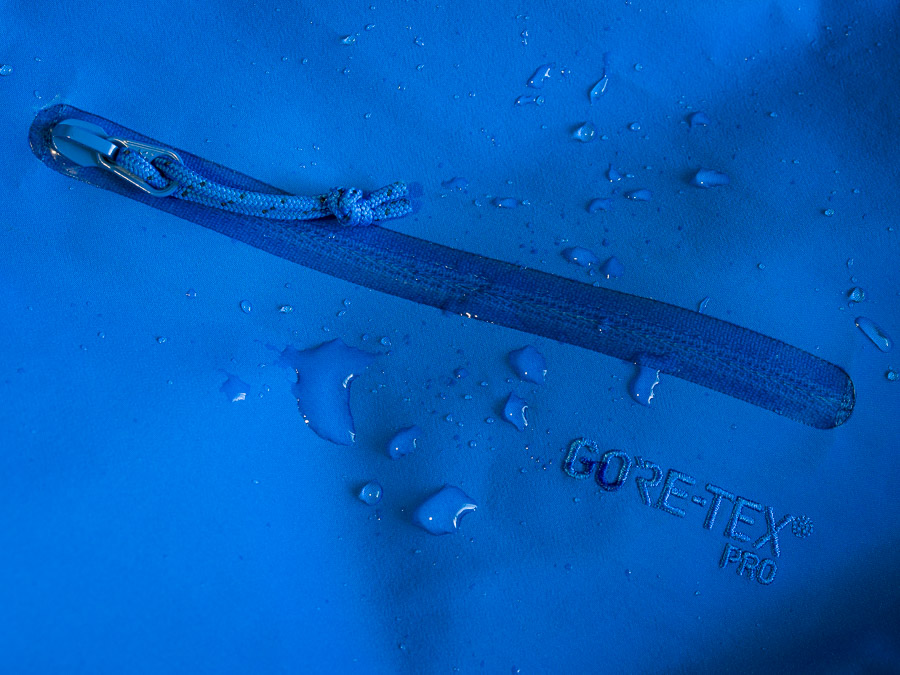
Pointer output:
166, 506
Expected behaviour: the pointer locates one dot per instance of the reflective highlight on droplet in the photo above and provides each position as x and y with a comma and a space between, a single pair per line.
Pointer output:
442, 512
529, 364
234, 388
874, 333
541, 75
599, 89
585, 133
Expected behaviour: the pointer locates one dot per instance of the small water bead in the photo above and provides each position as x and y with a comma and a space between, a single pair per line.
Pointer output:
246, 307
703, 304
489, 420
162, 339
371, 493
612, 175
638, 67
285, 309
190, 293
642, 195
599, 204
419, 42
612, 268
6, 70
856, 294
874, 333
525, 100
585, 133
892, 375
514, 412
707, 178
504, 202
385, 341
473, 444
580, 256
698, 119
541, 75
348, 39
828, 212
455, 183
598, 90
234, 388
634, 126
404, 442
420, 66
460, 373
369, 26
304, 61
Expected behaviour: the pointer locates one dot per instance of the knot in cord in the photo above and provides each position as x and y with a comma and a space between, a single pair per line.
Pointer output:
349, 207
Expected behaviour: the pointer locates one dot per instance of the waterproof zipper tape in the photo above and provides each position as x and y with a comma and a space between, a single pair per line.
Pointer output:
679, 342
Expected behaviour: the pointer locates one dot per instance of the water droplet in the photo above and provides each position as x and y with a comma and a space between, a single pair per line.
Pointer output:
580, 256
285, 309
703, 303
489, 420
638, 67
856, 294
514, 412
473, 444
101, 335
246, 307
371, 493
698, 119
526, 99
304, 61
505, 202
234, 388
541, 75
460, 373
419, 42
455, 183
635, 126
642, 195
284, 58
598, 89
892, 375
322, 390
348, 39
190, 293
162, 339
612, 268
612, 175
761, 266
642, 384
529, 364
403, 442
442, 512
706, 178
369, 26
585, 133
600, 204
6, 70
874, 333
828, 212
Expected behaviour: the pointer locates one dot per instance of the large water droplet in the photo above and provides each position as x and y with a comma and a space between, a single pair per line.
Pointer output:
580, 256
529, 364
599, 89
404, 442
371, 493
541, 75
441, 513
585, 133
707, 178
324, 376
642, 384
514, 412
874, 333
